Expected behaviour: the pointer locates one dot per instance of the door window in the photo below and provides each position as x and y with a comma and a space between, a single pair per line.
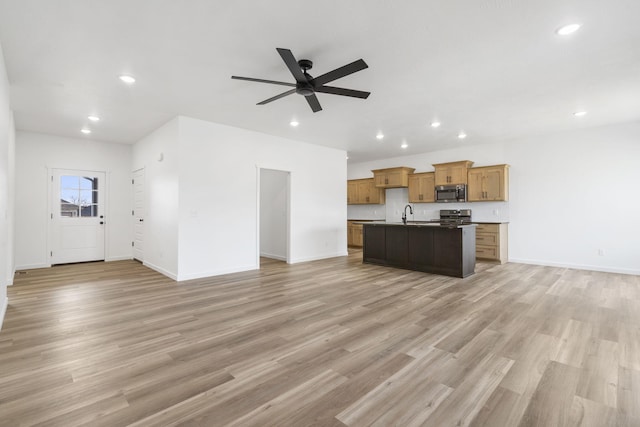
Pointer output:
78, 196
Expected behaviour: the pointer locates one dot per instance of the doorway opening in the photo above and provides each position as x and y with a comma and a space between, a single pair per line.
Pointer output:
273, 217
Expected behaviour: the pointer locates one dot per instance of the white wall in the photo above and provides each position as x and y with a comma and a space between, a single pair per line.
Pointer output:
36, 155
158, 154
218, 197
273, 214
571, 194
7, 144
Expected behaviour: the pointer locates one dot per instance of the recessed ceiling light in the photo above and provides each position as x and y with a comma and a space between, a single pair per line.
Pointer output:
580, 113
404, 145
294, 123
462, 135
85, 131
568, 29
379, 135
94, 118
127, 79
435, 124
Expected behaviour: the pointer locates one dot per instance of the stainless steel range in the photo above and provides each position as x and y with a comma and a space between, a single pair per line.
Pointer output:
455, 216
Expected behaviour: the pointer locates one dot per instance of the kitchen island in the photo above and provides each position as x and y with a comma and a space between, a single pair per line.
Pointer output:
422, 246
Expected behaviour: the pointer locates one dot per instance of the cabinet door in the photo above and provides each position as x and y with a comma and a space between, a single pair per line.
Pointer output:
363, 192
397, 245
374, 244
494, 184
376, 195
380, 179
352, 192
475, 190
442, 176
357, 235
422, 188
421, 249
415, 186
395, 179
458, 174
428, 188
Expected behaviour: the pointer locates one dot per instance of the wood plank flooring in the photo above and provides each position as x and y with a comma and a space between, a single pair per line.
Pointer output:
325, 343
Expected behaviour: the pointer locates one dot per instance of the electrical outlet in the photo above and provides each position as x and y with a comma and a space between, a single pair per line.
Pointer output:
601, 252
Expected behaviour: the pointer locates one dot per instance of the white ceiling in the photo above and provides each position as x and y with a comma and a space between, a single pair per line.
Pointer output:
493, 68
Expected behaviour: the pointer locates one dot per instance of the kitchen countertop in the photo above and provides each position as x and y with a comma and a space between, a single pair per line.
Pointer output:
490, 222
418, 224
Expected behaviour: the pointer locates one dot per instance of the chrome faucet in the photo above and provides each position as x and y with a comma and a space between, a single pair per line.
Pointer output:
404, 213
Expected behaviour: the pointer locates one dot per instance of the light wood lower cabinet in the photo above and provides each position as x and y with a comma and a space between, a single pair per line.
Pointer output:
354, 234
491, 242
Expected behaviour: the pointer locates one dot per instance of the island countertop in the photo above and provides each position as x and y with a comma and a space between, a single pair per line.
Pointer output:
416, 224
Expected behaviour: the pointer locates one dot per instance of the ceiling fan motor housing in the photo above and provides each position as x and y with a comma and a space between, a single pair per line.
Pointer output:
305, 88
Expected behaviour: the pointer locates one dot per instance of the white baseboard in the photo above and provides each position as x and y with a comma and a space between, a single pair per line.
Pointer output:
318, 257
273, 256
212, 273
31, 266
3, 311
161, 270
118, 258
576, 266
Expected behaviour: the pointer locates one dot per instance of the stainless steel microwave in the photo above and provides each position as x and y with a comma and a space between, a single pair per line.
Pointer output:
451, 193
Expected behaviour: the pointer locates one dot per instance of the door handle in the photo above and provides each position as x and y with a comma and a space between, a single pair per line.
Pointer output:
101, 222
141, 220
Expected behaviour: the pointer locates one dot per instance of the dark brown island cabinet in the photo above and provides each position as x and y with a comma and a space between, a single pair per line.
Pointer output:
432, 248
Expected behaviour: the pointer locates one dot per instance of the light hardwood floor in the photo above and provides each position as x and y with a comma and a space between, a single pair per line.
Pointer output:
324, 343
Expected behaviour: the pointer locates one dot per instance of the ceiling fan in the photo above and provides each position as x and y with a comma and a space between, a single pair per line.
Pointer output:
307, 85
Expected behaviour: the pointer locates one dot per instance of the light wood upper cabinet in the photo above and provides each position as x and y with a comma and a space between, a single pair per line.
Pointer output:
352, 192
422, 187
488, 184
363, 192
392, 177
452, 173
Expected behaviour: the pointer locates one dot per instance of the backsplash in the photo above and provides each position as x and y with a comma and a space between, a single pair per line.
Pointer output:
396, 200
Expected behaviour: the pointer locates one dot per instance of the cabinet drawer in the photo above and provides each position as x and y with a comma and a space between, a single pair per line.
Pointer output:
488, 252
490, 239
488, 228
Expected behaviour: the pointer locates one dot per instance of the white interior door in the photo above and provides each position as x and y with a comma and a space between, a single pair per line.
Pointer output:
77, 216
138, 214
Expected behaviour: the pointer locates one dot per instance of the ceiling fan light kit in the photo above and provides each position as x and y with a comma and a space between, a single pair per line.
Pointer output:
308, 86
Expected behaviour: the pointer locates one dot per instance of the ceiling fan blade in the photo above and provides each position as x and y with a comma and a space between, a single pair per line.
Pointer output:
341, 91
282, 95
313, 103
263, 81
354, 67
292, 65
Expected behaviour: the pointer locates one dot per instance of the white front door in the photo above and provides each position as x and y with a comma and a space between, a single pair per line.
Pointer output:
138, 214
77, 216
